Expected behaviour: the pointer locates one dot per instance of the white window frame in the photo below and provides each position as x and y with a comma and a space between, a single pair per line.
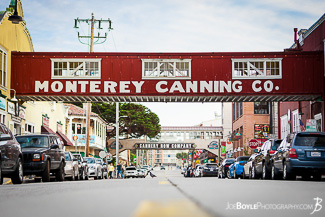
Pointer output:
68, 60
284, 126
250, 67
165, 76
4, 69
319, 117
3, 117
295, 121
27, 123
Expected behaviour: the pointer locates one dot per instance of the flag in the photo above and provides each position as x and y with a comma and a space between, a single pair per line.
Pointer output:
302, 126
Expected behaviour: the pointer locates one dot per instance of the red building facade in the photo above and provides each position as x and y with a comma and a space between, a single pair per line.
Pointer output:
293, 116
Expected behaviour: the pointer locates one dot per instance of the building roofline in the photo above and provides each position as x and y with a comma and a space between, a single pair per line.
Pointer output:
309, 31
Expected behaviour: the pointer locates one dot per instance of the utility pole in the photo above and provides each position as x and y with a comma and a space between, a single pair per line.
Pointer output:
92, 22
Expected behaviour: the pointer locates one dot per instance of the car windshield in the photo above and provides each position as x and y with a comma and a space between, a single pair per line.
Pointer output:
242, 158
229, 161
33, 141
90, 160
67, 157
276, 144
98, 161
310, 140
77, 156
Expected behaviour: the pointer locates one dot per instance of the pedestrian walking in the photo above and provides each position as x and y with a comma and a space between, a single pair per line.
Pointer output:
119, 171
111, 170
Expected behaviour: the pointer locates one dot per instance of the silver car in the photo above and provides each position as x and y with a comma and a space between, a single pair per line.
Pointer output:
71, 169
131, 172
95, 169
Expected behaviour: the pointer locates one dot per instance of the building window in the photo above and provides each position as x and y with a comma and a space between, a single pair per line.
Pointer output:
3, 118
237, 110
76, 68
261, 108
257, 68
233, 111
3, 67
319, 125
284, 126
241, 109
166, 68
29, 128
295, 121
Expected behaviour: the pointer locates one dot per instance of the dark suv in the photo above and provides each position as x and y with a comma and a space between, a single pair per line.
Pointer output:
11, 163
300, 154
43, 154
261, 165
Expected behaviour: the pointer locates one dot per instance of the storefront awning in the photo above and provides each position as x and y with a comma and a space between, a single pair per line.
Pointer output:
65, 139
45, 129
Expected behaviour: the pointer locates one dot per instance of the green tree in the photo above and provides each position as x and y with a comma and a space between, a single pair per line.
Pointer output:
182, 155
138, 121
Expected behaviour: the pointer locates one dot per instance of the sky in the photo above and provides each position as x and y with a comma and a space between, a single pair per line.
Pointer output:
171, 26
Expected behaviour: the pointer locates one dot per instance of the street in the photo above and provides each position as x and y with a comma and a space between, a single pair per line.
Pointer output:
170, 194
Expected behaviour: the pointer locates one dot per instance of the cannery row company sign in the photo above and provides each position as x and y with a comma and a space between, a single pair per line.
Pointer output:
165, 146
207, 77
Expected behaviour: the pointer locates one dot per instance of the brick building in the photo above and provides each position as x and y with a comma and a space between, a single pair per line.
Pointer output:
294, 115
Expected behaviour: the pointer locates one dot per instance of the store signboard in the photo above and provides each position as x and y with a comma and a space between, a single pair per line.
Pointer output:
311, 125
11, 108
2, 103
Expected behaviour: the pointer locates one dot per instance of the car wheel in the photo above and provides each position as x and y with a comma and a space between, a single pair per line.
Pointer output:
274, 173
286, 174
228, 174
46, 172
59, 174
73, 177
1, 177
77, 174
253, 173
18, 176
87, 175
265, 173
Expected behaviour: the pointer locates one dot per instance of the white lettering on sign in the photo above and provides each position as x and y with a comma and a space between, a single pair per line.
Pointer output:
160, 87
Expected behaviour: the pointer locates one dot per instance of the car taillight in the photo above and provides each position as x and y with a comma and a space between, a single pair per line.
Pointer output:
292, 153
227, 165
271, 152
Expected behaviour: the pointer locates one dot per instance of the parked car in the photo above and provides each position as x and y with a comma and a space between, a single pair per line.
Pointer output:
247, 169
300, 154
198, 171
146, 168
131, 172
162, 167
223, 168
236, 169
103, 168
141, 173
261, 165
71, 169
210, 169
43, 154
95, 169
11, 157
83, 167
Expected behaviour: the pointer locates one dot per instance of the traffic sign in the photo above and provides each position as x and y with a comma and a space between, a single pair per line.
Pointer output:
253, 143
102, 154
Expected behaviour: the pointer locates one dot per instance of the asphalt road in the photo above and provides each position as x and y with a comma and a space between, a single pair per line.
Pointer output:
169, 194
